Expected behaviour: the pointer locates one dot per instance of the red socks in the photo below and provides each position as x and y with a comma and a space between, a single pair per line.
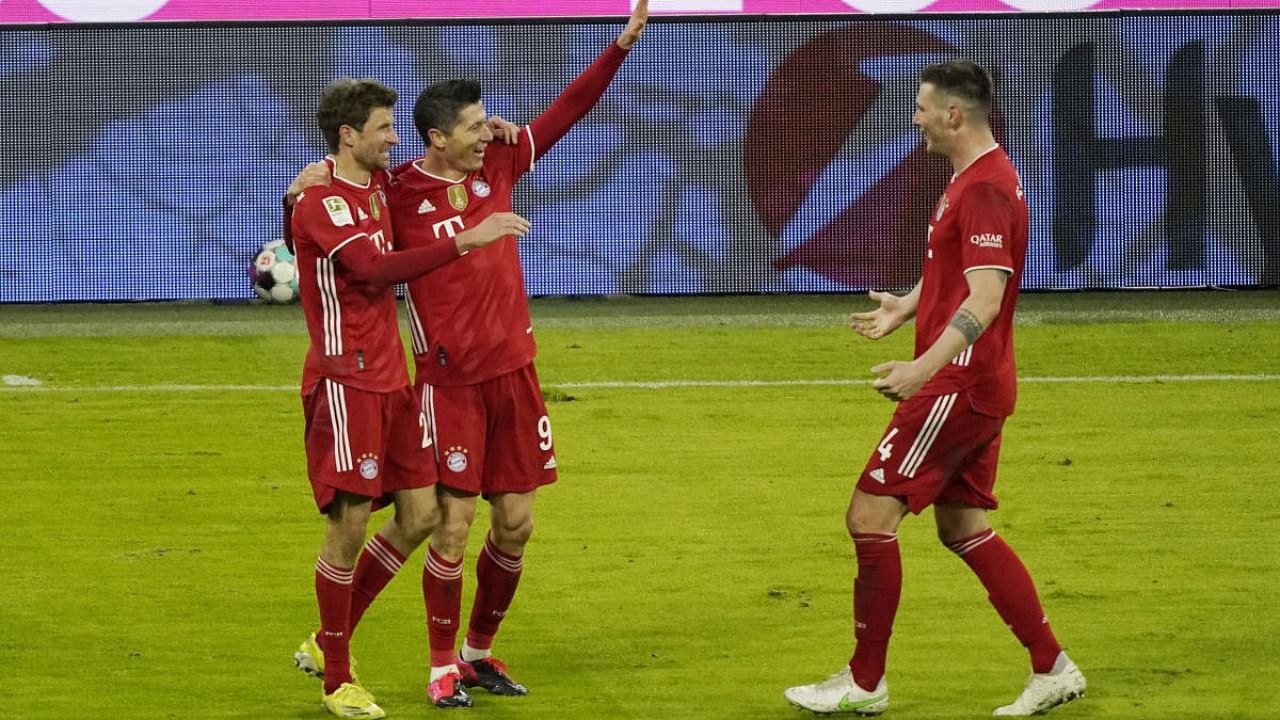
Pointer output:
875, 602
497, 575
442, 592
1012, 592
379, 562
333, 594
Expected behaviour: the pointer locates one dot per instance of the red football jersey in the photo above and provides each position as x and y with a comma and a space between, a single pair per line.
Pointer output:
468, 320
355, 335
980, 222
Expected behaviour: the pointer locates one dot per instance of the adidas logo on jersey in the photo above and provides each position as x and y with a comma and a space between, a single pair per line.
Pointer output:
550, 464
426, 207
877, 475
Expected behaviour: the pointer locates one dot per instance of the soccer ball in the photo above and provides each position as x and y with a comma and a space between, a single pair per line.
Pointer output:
274, 273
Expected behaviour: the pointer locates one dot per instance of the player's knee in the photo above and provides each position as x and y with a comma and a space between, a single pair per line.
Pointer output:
343, 540
950, 533
418, 525
861, 519
450, 536
512, 532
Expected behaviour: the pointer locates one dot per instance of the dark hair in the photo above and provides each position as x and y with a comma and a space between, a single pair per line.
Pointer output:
438, 106
350, 102
963, 79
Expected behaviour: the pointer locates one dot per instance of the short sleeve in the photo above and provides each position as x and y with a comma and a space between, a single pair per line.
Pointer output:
327, 219
986, 219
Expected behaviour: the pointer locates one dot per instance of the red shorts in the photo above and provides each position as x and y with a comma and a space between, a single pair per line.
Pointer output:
365, 443
936, 450
491, 437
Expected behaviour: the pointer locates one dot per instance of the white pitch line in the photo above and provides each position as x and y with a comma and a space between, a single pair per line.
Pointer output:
652, 384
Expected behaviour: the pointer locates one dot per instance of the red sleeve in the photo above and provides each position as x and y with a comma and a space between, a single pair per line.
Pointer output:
575, 101
325, 218
986, 218
365, 264
287, 228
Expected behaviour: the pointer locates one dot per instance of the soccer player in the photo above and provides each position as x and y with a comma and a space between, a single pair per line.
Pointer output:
473, 350
366, 439
942, 444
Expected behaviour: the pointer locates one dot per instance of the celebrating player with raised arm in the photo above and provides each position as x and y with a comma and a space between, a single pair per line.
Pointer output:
365, 435
943, 443
473, 350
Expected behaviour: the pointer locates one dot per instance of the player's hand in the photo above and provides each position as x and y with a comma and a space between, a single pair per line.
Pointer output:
317, 173
881, 321
504, 130
898, 380
631, 33
494, 227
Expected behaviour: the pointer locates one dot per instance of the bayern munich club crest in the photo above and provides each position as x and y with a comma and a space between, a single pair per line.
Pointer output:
369, 467
480, 188
456, 459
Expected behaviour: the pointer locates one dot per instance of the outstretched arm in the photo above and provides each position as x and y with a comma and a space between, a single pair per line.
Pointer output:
893, 311
367, 265
582, 94
901, 380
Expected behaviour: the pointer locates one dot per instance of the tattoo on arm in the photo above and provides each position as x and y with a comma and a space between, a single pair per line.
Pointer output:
968, 325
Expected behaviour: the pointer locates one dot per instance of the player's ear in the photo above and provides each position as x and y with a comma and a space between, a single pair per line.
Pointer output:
436, 138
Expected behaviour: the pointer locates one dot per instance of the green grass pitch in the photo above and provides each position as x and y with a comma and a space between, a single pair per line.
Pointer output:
159, 535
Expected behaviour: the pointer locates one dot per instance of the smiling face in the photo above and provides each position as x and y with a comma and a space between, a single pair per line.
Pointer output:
371, 145
462, 148
937, 117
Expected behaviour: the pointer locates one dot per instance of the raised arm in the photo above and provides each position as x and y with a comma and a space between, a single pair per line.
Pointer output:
582, 94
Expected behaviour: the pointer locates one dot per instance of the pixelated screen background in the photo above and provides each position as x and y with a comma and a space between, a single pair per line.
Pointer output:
730, 155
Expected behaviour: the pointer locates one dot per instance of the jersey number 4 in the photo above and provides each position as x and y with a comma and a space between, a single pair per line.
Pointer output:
886, 448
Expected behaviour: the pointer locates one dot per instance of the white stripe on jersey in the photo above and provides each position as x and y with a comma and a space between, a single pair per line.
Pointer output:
989, 267
338, 418
330, 306
343, 244
428, 404
533, 147
417, 333
964, 357
928, 432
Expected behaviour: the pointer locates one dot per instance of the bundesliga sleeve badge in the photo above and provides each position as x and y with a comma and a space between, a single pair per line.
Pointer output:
339, 211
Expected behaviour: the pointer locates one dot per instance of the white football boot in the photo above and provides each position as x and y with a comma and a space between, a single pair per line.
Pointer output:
840, 694
1045, 691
